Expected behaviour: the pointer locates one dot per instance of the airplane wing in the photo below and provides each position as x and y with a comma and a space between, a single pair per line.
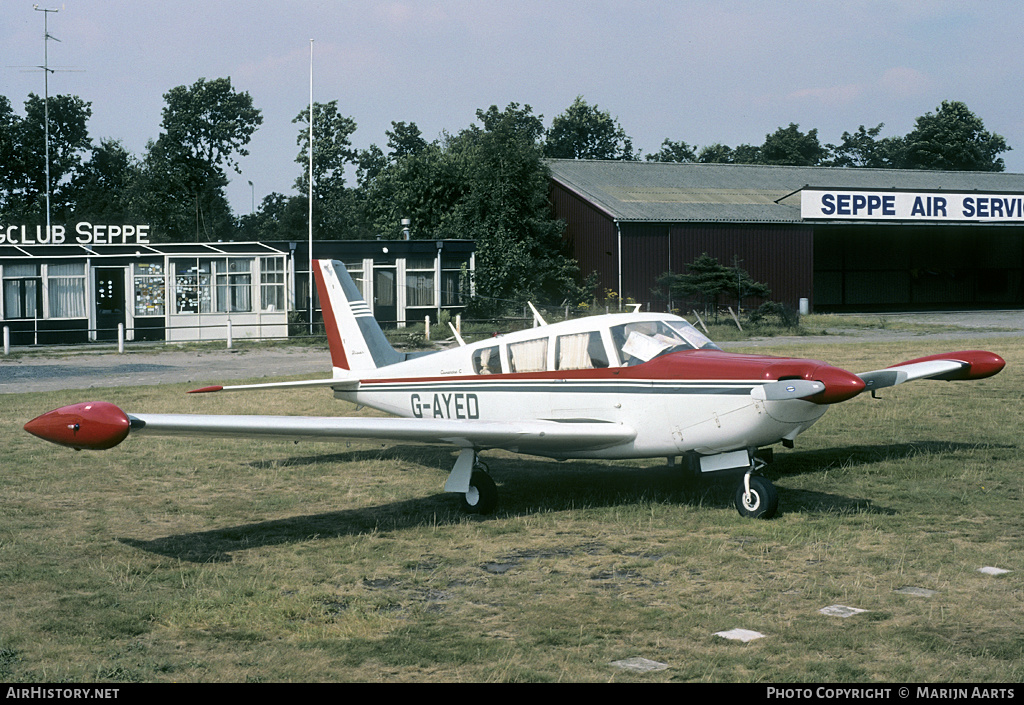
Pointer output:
967, 364
101, 425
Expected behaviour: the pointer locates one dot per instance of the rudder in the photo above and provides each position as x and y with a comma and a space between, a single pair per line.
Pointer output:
353, 334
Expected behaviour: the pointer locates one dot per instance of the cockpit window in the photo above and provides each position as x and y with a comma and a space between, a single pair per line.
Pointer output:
486, 361
641, 341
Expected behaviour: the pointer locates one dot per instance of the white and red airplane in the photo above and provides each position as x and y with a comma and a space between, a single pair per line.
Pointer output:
627, 385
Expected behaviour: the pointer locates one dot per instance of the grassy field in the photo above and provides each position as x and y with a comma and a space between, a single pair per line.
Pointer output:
164, 560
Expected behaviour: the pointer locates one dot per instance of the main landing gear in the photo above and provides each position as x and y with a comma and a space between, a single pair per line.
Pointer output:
470, 478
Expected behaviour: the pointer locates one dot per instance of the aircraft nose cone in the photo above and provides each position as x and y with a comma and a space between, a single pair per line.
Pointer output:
840, 385
94, 425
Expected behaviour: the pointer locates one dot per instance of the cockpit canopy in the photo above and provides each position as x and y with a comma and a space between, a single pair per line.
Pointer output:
631, 342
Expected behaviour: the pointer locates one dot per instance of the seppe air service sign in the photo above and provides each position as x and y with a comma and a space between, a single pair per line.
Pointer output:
839, 204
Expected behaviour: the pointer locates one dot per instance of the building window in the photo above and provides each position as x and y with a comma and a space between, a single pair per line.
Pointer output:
454, 280
149, 289
272, 284
22, 291
192, 292
234, 284
355, 270
419, 282
66, 290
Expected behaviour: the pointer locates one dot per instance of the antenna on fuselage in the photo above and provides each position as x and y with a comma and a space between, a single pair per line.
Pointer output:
538, 320
462, 343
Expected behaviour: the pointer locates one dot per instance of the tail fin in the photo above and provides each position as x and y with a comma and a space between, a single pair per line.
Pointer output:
356, 339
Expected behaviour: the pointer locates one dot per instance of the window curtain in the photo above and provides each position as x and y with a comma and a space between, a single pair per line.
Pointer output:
66, 284
529, 356
573, 352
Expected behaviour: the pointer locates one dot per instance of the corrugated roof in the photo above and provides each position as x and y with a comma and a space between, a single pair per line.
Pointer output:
674, 192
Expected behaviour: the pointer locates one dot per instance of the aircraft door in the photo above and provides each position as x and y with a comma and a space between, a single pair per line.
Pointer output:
110, 302
385, 296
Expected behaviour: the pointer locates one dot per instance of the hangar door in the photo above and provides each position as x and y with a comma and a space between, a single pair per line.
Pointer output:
886, 267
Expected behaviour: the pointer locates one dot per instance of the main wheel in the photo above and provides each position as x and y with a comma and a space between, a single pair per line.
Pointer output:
761, 503
482, 497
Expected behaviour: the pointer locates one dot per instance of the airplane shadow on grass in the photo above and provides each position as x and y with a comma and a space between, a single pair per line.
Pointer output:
529, 485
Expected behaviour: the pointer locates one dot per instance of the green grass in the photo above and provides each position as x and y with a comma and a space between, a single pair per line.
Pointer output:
163, 560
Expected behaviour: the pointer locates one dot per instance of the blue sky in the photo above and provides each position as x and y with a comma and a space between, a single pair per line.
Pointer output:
726, 71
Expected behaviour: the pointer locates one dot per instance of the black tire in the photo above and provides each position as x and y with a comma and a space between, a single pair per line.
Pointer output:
482, 497
763, 502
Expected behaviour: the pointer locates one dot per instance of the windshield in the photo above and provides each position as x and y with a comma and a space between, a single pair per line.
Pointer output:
641, 341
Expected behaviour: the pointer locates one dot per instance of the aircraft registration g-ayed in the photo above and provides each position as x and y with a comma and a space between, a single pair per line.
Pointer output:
627, 385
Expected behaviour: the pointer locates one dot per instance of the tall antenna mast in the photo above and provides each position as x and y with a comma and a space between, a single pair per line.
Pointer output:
310, 187
46, 101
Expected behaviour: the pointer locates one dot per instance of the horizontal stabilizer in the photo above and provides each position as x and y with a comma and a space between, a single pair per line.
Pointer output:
337, 384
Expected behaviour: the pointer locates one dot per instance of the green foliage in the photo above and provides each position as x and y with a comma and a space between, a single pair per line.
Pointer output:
673, 152
706, 281
584, 131
789, 146
23, 151
953, 138
103, 186
864, 149
520, 254
182, 180
209, 122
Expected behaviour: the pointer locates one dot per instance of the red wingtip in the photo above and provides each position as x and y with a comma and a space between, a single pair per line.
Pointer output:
203, 390
94, 425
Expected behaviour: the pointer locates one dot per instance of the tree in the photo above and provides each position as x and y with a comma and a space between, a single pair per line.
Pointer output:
332, 147
278, 217
864, 149
206, 126
8, 154
788, 146
586, 132
707, 280
953, 138
405, 140
716, 153
23, 145
335, 211
425, 187
102, 189
673, 152
719, 153
520, 251
210, 122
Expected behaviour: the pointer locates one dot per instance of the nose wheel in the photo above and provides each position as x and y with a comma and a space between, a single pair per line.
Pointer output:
756, 497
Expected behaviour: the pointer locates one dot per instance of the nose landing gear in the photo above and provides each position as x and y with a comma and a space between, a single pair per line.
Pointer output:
756, 497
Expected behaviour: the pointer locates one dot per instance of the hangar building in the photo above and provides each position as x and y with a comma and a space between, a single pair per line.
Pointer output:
845, 239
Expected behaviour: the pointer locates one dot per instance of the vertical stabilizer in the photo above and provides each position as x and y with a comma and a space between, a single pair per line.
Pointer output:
356, 339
